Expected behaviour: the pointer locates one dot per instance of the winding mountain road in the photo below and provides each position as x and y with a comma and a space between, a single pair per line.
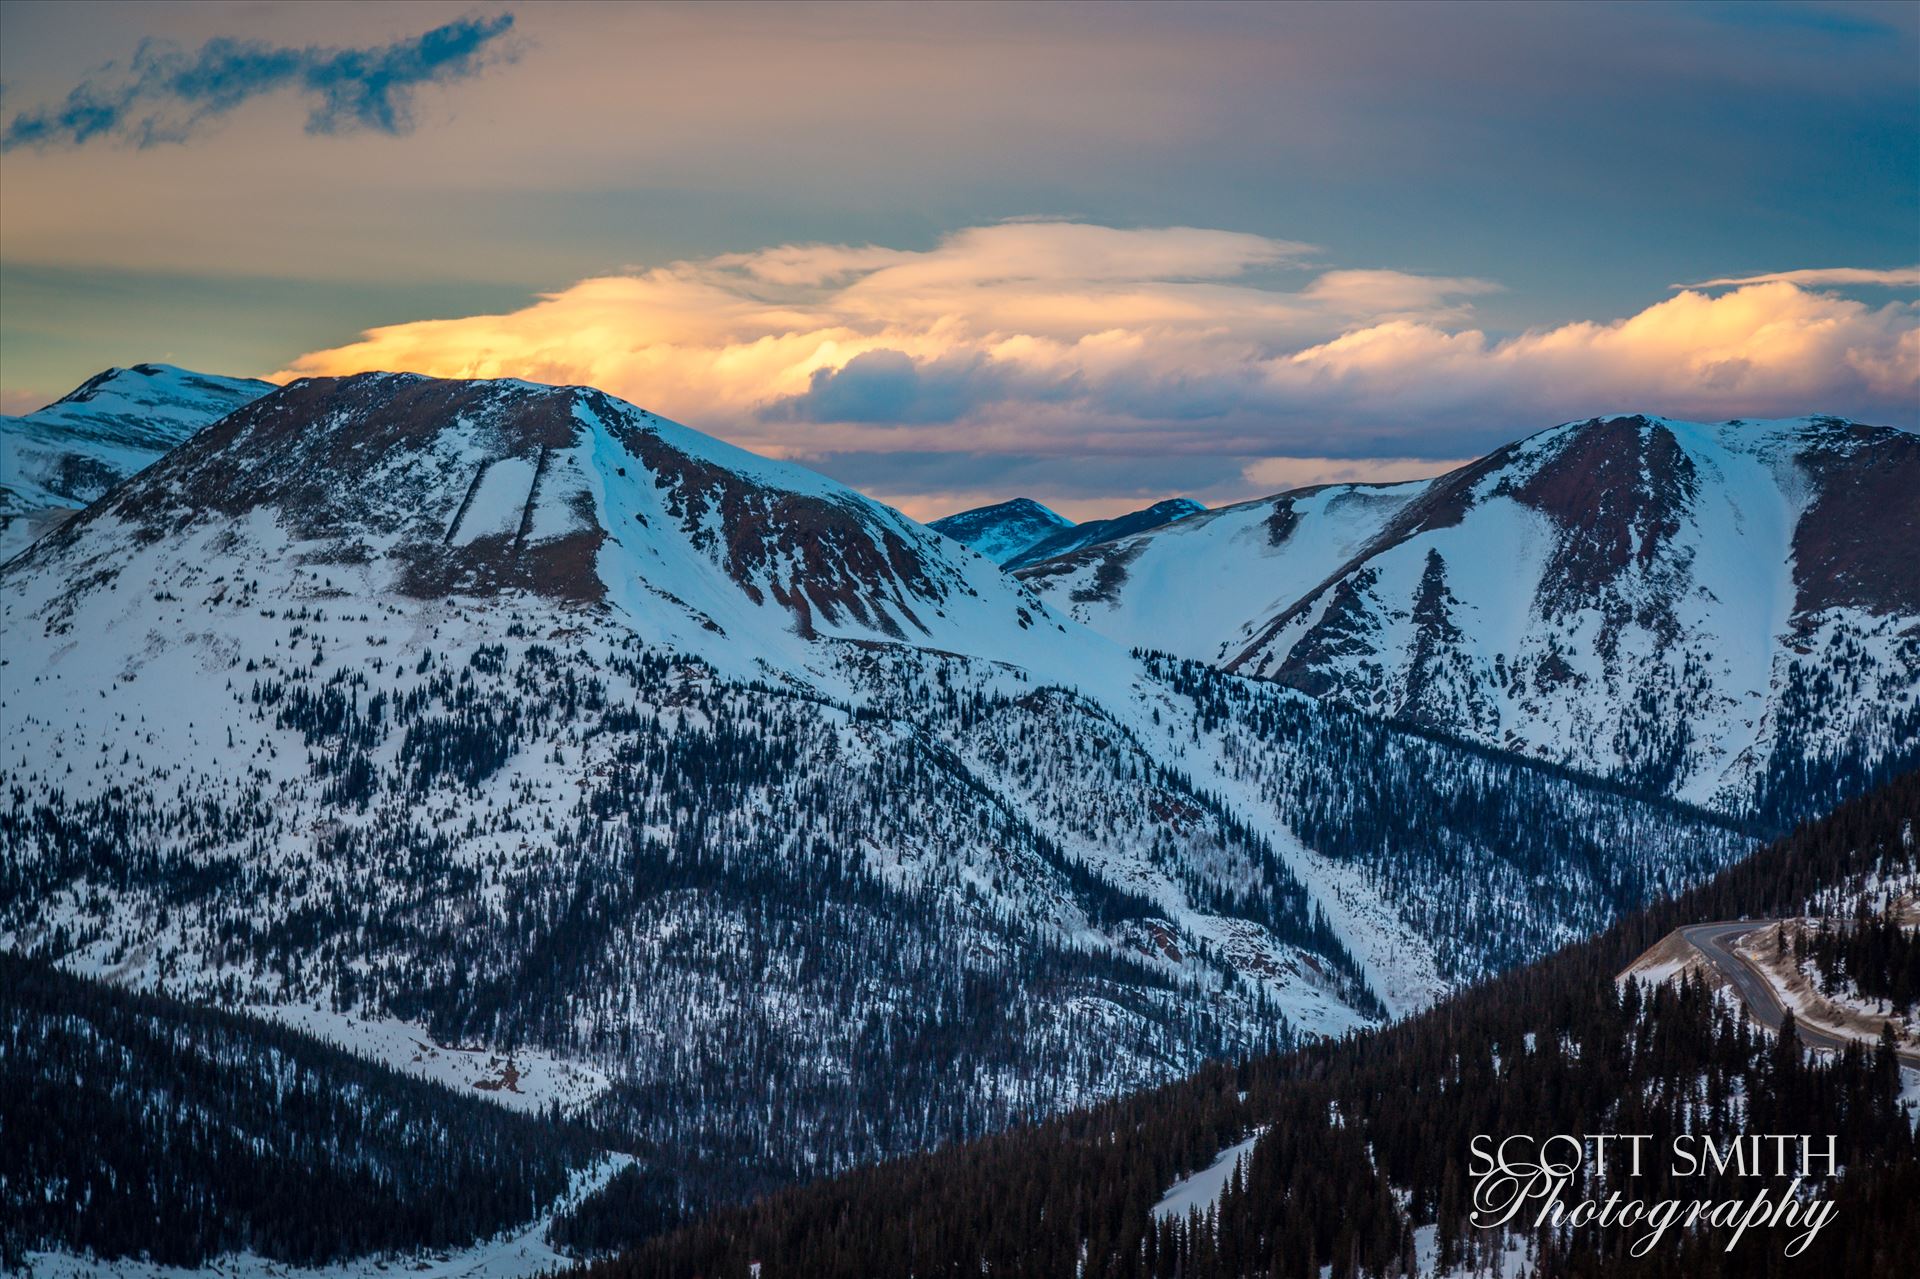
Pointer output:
1716, 942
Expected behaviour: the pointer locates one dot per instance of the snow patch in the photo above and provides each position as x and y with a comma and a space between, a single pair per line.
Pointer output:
1203, 1189
525, 1079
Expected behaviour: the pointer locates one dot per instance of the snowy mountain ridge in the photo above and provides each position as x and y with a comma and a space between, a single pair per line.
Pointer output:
59, 458
520, 715
1020, 532
1003, 530
1727, 613
1095, 532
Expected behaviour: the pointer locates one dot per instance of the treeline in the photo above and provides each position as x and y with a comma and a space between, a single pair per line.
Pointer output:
1811, 767
135, 1125
1874, 951
1365, 1156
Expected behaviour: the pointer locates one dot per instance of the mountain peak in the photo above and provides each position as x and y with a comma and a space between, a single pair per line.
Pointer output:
1097, 532
1003, 530
63, 456
455, 490
165, 388
1025, 506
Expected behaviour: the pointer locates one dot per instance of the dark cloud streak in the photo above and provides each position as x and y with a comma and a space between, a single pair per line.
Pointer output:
889, 387
168, 93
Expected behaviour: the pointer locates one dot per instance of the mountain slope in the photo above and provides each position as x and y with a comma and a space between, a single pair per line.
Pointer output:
1003, 530
522, 715
1193, 588
1728, 614
141, 1126
1360, 1156
1094, 532
63, 456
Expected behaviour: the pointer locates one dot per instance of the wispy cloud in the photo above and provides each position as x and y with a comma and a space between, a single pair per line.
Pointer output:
1006, 345
166, 94
1278, 474
1820, 277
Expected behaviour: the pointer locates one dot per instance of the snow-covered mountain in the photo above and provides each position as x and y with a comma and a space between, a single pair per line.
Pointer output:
1727, 613
1097, 532
520, 714
1192, 587
57, 459
1021, 532
1003, 530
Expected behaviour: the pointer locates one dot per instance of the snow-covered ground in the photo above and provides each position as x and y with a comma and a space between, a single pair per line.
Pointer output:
1669, 959
525, 1079
1514, 1261
1202, 1190
186, 649
1201, 586
1839, 1012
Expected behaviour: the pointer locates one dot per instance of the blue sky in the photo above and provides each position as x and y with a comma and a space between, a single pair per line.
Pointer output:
1090, 253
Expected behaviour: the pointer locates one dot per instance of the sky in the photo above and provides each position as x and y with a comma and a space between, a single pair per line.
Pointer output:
1094, 255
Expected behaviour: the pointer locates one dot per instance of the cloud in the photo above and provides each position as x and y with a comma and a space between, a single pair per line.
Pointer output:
1278, 474
885, 387
168, 94
1019, 307
810, 263
1140, 352
1817, 277
1372, 293
15, 402
1762, 350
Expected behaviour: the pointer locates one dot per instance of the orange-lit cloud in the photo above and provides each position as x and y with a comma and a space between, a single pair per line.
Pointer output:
727, 340
1068, 341
1763, 349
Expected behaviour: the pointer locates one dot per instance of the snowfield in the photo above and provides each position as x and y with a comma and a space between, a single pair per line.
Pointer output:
57, 459
523, 1079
